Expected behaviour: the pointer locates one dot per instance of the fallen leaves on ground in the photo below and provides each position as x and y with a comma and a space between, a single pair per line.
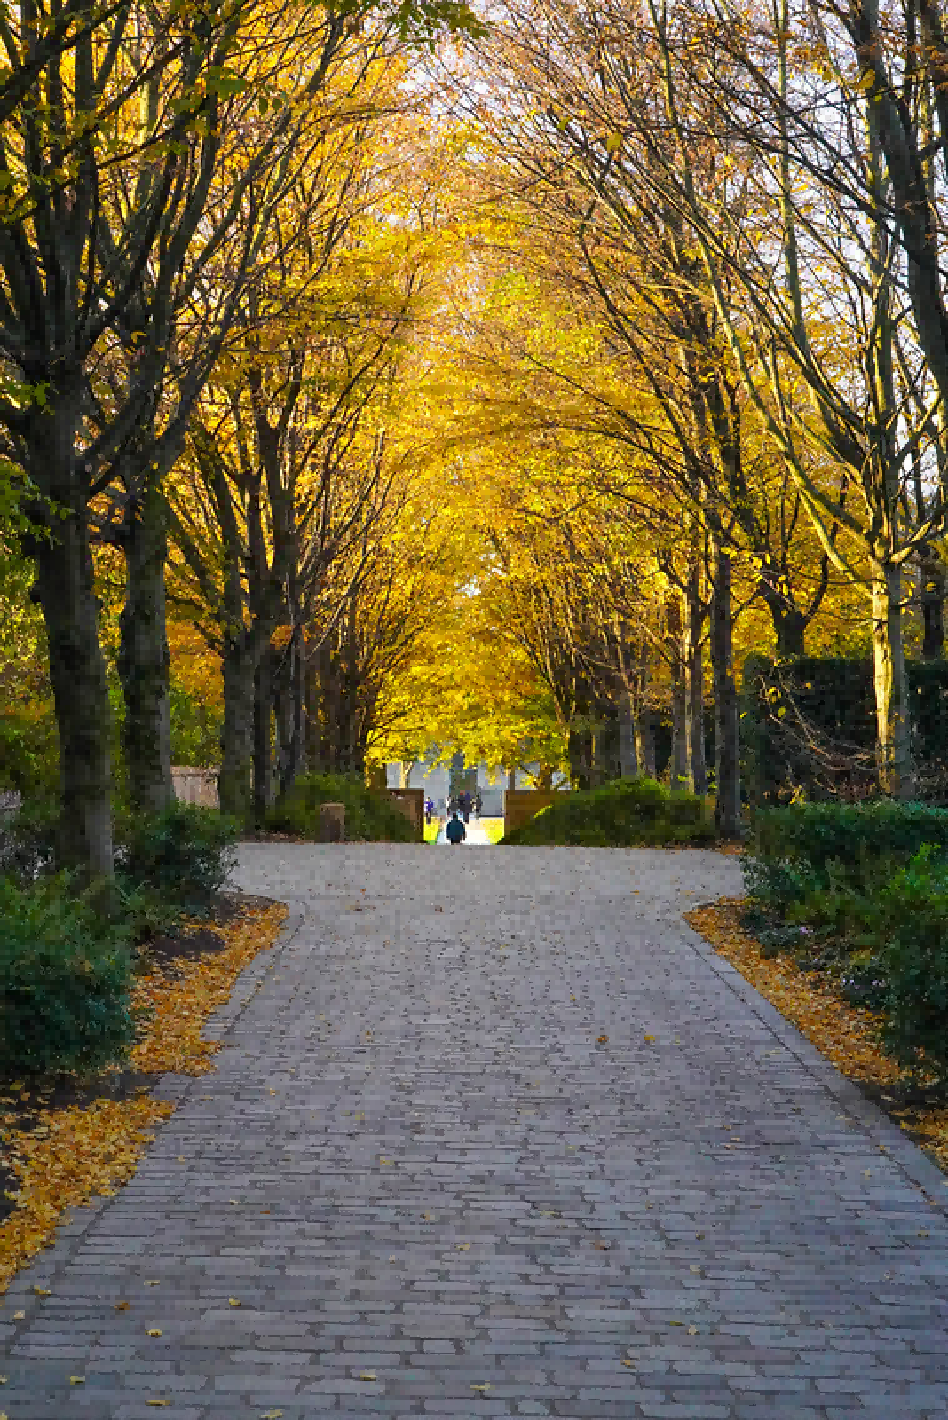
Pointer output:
844, 1033
63, 1157
180, 1004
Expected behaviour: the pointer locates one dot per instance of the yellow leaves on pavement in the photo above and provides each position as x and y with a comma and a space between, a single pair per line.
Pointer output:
180, 1004
77, 1380
43, 1291
233, 1301
158, 1402
86, 1150
121, 1306
154, 1331
843, 1033
649, 1039
366, 1375
271, 1415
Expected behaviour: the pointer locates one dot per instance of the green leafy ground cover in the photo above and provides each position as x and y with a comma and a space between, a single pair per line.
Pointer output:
860, 894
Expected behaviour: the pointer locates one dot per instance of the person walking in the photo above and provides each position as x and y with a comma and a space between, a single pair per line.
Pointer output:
455, 832
429, 808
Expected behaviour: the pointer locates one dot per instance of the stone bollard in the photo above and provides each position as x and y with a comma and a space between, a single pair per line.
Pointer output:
332, 823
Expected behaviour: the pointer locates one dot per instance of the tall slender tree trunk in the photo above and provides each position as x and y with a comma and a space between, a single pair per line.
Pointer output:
144, 659
727, 807
262, 747
288, 713
234, 782
893, 729
628, 759
932, 584
679, 769
313, 749
643, 724
64, 585
694, 675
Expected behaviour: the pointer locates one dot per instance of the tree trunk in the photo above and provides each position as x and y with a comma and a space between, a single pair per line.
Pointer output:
66, 592
543, 779
512, 778
727, 807
234, 784
790, 626
694, 674
679, 768
144, 659
931, 575
312, 728
288, 713
645, 742
893, 747
628, 758
262, 755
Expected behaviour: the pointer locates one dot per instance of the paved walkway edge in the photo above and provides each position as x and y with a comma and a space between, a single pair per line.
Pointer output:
881, 1130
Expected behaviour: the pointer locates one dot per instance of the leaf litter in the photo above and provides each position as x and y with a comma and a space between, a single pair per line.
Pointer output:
845, 1034
61, 1155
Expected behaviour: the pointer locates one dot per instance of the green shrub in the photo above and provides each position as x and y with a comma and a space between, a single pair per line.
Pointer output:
855, 835
370, 815
624, 813
185, 852
913, 954
65, 980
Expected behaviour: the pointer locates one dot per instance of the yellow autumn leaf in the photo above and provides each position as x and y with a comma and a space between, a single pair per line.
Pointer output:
19, 1316
233, 1301
485, 1386
77, 1380
153, 1331
366, 1375
157, 1402
121, 1306
43, 1291
463, 1247
271, 1415
649, 1040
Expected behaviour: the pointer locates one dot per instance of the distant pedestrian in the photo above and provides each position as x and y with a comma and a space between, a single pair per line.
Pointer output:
465, 802
455, 832
429, 809
478, 802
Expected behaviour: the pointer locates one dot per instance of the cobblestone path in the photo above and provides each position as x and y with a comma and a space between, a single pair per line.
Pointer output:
496, 1134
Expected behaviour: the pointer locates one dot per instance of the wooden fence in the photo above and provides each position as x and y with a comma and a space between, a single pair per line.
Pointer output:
521, 804
195, 786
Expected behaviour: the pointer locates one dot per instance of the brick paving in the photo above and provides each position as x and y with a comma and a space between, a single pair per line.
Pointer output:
435, 1190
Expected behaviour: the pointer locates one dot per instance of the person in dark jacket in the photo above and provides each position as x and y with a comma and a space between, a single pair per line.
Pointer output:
455, 832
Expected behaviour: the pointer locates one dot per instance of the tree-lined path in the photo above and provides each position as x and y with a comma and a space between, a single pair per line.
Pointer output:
498, 1134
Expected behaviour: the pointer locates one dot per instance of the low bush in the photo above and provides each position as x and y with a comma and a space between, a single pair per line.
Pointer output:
808, 838
65, 979
370, 815
624, 813
912, 946
184, 853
